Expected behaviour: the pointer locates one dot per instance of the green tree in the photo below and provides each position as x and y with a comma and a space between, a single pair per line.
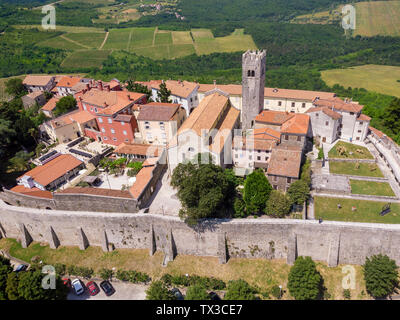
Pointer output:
299, 192
239, 290
12, 286
304, 281
197, 292
278, 205
30, 287
203, 190
380, 274
164, 94
106, 274
239, 206
20, 162
391, 115
6, 134
158, 291
15, 88
256, 191
5, 270
137, 87
64, 105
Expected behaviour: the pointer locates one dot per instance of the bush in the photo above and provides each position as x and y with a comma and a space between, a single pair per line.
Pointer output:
239, 207
276, 292
80, 271
132, 276
106, 274
320, 154
278, 204
240, 290
257, 190
159, 291
186, 281
346, 294
299, 192
197, 292
61, 269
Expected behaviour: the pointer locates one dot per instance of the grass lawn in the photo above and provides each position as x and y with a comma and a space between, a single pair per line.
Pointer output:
350, 168
378, 78
86, 58
367, 211
258, 272
358, 152
371, 188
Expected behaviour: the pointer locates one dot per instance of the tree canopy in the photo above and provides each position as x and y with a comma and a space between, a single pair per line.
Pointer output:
158, 291
299, 192
304, 281
197, 292
239, 290
256, 191
278, 204
164, 93
64, 105
381, 276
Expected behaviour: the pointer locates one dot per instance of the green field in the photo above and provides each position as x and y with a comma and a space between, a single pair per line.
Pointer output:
350, 168
366, 211
371, 188
378, 18
378, 78
86, 58
92, 40
118, 39
350, 151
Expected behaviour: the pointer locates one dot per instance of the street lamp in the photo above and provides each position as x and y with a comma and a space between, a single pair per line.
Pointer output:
280, 291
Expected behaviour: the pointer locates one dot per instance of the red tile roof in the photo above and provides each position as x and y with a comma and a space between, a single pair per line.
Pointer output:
34, 192
68, 82
285, 161
339, 104
329, 112
51, 104
273, 117
142, 179
31, 80
363, 117
299, 124
54, 169
139, 149
158, 112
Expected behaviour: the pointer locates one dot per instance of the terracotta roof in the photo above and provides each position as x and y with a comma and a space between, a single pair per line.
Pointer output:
226, 126
273, 117
97, 192
37, 80
178, 88
206, 114
236, 89
256, 144
297, 94
34, 192
51, 104
110, 102
123, 117
53, 169
329, 112
266, 134
140, 149
363, 117
299, 124
75, 116
34, 94
380, 134
150, 162
157, 112
285, 162
339, 104
68, 82
142, 179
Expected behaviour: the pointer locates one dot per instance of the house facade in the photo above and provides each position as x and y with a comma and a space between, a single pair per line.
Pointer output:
32, 98
39, 83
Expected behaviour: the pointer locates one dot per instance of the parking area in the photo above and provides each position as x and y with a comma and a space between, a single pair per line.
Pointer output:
123, 291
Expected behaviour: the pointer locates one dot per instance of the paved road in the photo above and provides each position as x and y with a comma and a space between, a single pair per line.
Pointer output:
123, 291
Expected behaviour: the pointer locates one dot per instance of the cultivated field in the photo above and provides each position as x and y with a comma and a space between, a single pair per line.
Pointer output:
378, 78
86, 58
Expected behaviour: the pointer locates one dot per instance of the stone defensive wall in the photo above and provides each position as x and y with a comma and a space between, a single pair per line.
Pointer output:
333, 242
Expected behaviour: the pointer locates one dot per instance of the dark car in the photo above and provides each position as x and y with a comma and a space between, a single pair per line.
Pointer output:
214, 296
107, 288
92, 288
21, 267
178, 295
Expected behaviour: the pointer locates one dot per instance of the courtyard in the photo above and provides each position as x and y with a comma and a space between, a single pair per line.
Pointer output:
355, 169
346, 150
372, 188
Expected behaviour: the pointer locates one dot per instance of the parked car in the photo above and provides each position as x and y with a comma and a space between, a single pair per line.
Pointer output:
177, 293
67, 282
107, 287
21, 267
93, 288
214, 296
78, 287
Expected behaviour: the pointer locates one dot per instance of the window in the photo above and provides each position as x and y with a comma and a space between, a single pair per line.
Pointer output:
289, 180
190, 149
95, 109
352, 113
250, 157
358, 138
359, 131
236, 156
112, 131
298, 138
105, 138
316, 114
266, 158
103, 130
125, 133
253, 73
109, 120
293, 104
275, 187
279, 103
161, 123
286, 137
303, 105
100, 120
361, 123
115, 139
327, 123
275, 178
122, 123
258, 158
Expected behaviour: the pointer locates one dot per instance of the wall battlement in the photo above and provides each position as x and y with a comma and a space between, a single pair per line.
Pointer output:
333, 242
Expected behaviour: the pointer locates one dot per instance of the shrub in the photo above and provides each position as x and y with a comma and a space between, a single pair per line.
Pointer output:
106, 274
320, 154
61, 269
240, 290
276, 292
158, 291
346, 294
80, 271
278, 205
186, 281
132, 276
197, 292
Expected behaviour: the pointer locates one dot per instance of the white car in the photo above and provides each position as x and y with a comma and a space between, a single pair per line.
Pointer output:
79, 289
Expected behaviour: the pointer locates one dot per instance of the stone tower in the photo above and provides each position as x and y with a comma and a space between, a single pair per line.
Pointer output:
253, 83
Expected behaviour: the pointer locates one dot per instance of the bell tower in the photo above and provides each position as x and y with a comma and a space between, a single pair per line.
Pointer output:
253, 83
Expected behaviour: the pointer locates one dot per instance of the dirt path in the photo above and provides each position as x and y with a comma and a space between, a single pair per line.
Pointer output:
104, 41
75, 42
154, 36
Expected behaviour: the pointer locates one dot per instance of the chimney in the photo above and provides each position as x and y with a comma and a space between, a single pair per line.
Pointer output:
215, 83
105, 105
87, 86
108, 88
100, 85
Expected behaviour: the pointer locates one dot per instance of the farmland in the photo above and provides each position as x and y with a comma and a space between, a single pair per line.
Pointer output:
378, 78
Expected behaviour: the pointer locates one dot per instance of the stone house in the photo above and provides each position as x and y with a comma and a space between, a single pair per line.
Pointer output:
136, 151
48, 108
158, 122
32, 98
39, 83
